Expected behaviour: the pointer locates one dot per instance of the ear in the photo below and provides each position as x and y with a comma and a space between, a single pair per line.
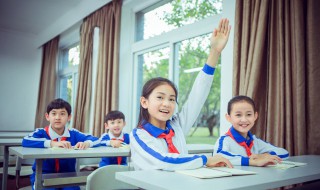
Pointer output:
69, 117
106, 125
47, 116
255, 116
228, 118
124, 123
144, 102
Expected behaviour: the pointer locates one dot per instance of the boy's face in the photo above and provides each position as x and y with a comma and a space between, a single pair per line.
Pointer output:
58, 118
242, 117
115, 126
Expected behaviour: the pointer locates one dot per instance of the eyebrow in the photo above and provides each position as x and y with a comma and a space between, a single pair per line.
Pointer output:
166, 94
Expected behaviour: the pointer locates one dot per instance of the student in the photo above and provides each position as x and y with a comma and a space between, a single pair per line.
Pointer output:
239, 145
114, 122
158, 141
58, 135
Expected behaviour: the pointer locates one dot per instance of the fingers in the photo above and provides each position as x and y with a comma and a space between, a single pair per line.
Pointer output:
66, 144
224, 27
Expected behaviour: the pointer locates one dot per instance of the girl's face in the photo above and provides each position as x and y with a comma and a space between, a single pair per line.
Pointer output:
242, 117
160, 104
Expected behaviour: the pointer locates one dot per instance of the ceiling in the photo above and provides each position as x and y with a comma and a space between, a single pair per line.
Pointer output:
44, 19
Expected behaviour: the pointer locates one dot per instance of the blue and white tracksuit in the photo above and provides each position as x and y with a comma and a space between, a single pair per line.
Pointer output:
236, 154
40, 139
105, 141
150, 152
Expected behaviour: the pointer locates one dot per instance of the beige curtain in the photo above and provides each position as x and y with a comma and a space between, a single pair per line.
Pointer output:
106, 94
47, 84
275, 63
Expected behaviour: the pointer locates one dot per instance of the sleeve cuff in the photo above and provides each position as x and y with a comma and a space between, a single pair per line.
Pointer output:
208, 69
204, 159
90, 142
244, 161
47, 144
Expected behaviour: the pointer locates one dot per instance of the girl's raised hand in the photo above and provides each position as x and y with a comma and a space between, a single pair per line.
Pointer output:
220, 35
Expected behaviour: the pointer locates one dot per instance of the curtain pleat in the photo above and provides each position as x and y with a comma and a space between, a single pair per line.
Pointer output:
107, 19
47, 84
275, 64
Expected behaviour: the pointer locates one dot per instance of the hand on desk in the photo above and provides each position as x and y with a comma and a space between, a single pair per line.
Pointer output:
218, 161
264, 159
62, 144
67, 145
116, 143
82, 145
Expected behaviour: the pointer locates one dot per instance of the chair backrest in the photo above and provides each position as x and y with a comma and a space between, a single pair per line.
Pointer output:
104, 178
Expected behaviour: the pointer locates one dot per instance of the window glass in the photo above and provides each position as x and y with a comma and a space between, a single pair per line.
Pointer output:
68, 73
193, 54
70, 57
66, 86
166, 16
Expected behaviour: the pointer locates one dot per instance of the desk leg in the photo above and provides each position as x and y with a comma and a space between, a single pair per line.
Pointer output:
18, 168
5, 167
38, 182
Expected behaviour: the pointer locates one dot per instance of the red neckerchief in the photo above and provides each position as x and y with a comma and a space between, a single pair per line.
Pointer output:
119, 158
168, 139
57, 166
243, 143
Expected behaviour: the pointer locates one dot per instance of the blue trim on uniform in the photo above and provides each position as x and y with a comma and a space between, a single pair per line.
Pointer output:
239, 138
157, 155
208, 69
244, 160
274, 153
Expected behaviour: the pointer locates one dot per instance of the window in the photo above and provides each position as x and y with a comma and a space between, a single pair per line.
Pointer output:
186, 34
68, 73
169, 15
172, 41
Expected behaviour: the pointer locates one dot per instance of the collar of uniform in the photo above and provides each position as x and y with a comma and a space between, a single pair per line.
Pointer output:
54, 135
114, 137
155, 131
239, 138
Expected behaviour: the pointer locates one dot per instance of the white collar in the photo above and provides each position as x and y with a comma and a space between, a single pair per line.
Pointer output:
112, 136
54, 135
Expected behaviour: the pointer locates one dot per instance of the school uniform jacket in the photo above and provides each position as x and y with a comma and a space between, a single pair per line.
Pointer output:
105, 141
232, 150
40, 139
150, 152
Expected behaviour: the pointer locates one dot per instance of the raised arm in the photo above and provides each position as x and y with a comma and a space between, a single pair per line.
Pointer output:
219, 39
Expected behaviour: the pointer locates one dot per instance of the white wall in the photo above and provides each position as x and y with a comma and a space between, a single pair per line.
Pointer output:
19, 81
20, 67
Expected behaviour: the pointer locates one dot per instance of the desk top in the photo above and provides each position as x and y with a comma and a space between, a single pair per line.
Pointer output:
266, 177
42, 153
10, 141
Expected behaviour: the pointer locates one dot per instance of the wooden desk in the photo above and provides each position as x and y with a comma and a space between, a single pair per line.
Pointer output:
267, 177
6, 143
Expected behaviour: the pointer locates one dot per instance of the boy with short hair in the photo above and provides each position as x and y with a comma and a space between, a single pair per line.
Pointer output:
114, 123
239, 145
58, 135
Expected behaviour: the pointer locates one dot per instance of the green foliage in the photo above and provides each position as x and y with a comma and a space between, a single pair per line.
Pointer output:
186, 10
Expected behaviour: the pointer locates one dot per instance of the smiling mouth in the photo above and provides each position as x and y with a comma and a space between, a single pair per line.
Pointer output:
164, 111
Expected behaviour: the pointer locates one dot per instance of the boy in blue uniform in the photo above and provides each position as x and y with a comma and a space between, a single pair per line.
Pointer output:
114, 123
58, 135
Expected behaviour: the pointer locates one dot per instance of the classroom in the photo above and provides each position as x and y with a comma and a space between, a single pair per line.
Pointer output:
270, 56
